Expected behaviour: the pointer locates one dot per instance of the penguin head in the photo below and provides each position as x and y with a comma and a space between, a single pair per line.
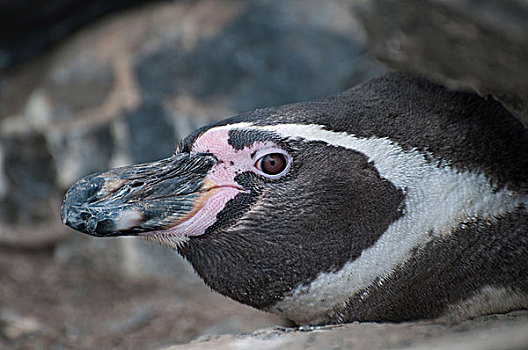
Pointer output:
257, 203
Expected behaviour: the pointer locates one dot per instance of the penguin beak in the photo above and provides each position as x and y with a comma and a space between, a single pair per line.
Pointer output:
138, 198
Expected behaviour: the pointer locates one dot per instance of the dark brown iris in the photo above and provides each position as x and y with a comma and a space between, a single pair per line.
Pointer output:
272, 164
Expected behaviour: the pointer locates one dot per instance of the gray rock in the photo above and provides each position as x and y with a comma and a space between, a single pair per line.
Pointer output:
499, 332
472, 45
271, 53
135, 320
26, 27
14, 326
29, 172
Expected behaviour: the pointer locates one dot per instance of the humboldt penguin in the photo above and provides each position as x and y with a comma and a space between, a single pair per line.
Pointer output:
395, 200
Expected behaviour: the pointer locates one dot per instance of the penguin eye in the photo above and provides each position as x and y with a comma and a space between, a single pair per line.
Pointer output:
273, 165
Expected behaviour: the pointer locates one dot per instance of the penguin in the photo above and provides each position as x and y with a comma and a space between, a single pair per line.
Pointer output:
396, 200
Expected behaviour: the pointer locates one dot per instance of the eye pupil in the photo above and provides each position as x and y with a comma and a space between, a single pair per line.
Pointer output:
273, 164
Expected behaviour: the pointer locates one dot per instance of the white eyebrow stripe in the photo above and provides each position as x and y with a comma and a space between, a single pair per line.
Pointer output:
241, 125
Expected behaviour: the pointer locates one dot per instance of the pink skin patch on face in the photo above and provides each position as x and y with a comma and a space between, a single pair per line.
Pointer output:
220, 184
231, 161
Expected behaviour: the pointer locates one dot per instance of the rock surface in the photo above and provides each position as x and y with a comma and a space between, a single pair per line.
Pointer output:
473, 45
49, 304
497, 332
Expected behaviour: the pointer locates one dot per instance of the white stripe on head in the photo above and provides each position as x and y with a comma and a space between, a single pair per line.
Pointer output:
227, 127
438, 199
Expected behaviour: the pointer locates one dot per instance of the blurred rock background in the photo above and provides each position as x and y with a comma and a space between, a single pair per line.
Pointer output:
124, 88
87, 86
479, 46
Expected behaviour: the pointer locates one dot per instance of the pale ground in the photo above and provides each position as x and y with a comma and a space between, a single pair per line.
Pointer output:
49, 305
495, 332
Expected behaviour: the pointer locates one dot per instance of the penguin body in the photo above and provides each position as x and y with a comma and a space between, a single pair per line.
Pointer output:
395, 200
